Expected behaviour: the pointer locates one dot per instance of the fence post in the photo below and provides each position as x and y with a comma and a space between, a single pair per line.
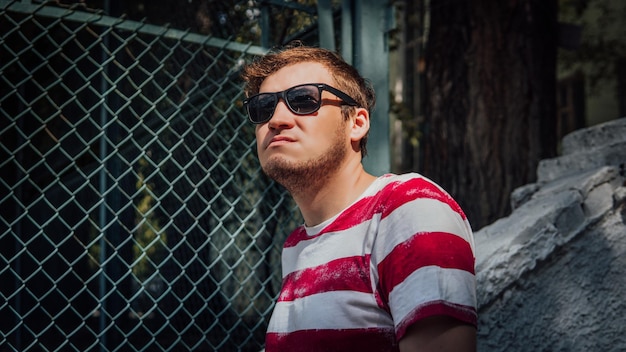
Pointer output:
369, 53
325, 24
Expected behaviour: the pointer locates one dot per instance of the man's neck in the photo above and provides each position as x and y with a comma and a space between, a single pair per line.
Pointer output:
321, 202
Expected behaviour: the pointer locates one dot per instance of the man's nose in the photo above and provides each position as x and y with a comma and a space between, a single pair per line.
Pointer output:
282, 117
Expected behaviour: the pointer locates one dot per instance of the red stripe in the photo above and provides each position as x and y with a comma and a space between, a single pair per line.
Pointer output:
417, 188
465, 314
332, 340
388, 199
299, 234
424, 249
350, 273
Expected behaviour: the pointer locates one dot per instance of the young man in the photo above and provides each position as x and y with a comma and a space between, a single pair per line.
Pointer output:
381, 263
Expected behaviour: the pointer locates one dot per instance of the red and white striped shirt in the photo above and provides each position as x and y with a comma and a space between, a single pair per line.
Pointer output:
402, 252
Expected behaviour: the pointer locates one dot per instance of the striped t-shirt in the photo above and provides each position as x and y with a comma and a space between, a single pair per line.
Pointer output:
402, 252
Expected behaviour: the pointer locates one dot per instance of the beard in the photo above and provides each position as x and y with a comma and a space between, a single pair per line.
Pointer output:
306, 175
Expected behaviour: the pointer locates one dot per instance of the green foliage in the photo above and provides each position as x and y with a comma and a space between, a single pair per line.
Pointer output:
603, 37
149, 240
235, 20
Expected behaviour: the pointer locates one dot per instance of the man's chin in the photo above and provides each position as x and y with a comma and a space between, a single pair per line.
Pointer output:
304, 173
292, 175
276, 161
276, 166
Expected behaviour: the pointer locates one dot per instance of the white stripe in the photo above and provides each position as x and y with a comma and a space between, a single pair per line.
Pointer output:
450, 285
329, 310
420, 215
355, 241
405, 177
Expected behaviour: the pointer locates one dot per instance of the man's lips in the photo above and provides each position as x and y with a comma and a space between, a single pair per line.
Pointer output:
280, 140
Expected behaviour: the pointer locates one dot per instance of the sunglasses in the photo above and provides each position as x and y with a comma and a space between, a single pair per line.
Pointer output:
302, 99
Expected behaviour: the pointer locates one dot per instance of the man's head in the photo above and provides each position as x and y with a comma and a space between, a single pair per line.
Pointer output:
345, 77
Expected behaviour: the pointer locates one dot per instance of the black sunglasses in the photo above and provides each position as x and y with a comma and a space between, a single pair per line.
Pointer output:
302, 99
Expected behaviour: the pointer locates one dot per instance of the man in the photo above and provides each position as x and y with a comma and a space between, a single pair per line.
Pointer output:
380, 263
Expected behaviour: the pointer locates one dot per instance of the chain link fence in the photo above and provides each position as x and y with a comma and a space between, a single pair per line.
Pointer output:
133, 213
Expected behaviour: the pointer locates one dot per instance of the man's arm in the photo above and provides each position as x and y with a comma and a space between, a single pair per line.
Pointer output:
439, 333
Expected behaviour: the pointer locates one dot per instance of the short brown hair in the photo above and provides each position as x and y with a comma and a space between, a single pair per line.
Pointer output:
346, 77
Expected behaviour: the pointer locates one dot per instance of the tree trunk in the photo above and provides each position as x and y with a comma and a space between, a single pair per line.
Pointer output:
490, 111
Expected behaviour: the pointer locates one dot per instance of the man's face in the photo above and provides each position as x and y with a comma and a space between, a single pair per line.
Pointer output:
302, 146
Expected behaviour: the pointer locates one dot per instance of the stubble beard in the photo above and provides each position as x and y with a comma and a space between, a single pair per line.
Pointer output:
305, 176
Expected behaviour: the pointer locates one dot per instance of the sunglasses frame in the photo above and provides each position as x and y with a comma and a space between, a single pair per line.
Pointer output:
346, 100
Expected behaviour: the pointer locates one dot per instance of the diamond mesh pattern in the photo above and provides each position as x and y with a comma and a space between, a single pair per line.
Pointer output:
133, 214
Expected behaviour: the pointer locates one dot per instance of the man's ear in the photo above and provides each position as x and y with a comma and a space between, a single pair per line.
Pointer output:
360, 125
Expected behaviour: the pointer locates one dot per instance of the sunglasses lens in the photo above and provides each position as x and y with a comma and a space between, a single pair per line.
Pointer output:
261, 108
301, 100
304, 99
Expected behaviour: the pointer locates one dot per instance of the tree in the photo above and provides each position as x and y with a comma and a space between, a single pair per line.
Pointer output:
490, 106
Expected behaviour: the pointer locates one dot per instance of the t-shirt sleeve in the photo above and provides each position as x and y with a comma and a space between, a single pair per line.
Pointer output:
423, 256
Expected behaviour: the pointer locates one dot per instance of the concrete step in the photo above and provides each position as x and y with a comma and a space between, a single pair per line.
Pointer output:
597, 136
587, 149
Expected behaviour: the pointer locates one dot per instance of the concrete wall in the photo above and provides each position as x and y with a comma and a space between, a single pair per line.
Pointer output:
552, 275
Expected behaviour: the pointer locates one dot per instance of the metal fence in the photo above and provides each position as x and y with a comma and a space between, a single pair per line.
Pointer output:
133, 214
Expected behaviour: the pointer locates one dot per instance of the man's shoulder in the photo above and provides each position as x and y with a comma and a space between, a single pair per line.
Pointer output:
404, 177
407, 182
394, 191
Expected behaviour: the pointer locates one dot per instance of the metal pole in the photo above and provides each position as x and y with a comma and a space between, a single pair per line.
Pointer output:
346, 30
371, 58
102, 189
325, 24
265, 26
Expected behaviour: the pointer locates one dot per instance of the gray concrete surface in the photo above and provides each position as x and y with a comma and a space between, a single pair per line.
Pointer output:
552, 275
